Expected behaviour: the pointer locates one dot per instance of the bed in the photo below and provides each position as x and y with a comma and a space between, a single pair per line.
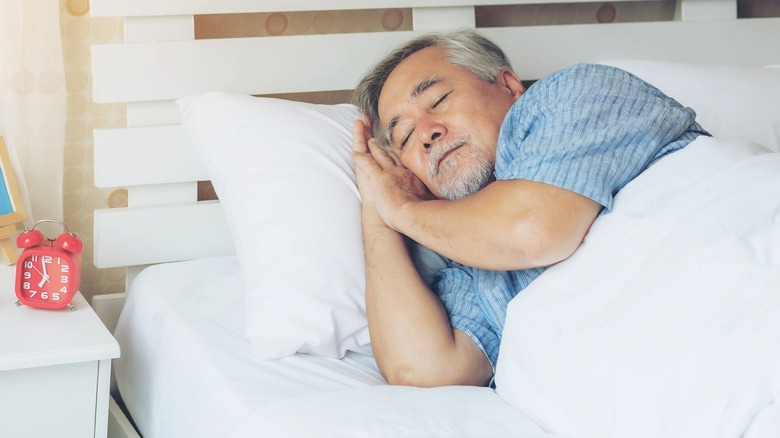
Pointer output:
666, 321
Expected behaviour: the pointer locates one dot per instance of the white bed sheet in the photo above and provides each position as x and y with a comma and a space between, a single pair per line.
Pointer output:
188, 371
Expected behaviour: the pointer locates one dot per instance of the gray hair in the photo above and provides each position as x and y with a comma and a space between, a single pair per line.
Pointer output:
466, 48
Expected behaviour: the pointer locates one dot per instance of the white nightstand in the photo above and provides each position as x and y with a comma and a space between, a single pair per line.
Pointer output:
54, 368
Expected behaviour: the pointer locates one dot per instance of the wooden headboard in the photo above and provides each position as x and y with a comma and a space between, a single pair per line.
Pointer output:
161, 60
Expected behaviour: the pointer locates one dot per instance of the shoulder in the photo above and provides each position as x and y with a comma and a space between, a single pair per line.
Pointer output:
579, 89
564, 90
584, 80
586, 70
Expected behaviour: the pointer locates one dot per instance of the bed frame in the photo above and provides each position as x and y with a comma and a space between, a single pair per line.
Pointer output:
161, 61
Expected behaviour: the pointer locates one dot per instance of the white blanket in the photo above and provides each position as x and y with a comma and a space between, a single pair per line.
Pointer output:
666, 322
188, 371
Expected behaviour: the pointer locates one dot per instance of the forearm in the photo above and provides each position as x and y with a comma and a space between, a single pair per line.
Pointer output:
508, 225
411, 336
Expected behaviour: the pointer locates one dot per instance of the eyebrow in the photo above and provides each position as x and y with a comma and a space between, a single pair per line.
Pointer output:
416, 92
424, 85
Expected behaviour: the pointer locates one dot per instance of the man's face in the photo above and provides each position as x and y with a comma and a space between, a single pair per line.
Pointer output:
443, 121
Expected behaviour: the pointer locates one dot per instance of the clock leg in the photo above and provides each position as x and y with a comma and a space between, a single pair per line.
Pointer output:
71, 306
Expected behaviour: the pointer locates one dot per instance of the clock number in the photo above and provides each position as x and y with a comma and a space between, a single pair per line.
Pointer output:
27, 275
55, 296
44, 295
33, 293
26, 285
64, 289
29, 264
47, 259
65, 268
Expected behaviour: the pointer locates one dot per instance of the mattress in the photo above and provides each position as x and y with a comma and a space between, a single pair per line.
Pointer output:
186, 370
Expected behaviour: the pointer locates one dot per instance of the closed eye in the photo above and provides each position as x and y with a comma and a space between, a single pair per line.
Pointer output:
406, 138
440, 100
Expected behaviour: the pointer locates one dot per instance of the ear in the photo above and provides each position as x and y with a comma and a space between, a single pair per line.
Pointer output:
508, 80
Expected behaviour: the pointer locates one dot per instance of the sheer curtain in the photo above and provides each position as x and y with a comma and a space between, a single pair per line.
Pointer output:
33, 101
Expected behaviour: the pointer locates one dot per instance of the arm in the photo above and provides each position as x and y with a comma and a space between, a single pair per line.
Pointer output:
508, 225
411, 336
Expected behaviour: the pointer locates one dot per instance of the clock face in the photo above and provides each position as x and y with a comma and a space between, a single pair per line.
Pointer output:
46, 280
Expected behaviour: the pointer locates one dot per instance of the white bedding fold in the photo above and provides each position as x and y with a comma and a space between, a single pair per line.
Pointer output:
666, 322
188, 371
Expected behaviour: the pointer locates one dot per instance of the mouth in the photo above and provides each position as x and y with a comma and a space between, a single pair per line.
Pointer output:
448, 152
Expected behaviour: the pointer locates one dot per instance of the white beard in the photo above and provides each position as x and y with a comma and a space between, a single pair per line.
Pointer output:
475, 173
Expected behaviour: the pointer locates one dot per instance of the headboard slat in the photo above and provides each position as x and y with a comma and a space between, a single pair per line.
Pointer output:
174, 69
122, 157
169, 70
705, 42
707, 10
157, 234
114, 8
443, 18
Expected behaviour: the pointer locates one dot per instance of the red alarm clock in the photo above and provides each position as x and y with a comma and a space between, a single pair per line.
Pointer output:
49, 270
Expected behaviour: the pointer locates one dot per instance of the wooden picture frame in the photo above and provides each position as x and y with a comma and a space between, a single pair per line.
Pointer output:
12, 209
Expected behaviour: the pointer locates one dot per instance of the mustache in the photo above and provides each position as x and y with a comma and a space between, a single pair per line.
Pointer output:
439, 150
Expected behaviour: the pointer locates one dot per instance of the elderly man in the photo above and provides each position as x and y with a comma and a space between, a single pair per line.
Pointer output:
454, 153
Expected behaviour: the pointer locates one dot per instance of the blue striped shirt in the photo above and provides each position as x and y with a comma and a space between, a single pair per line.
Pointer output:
589, 129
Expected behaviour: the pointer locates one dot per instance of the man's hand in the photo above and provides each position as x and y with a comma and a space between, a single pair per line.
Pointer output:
382, 180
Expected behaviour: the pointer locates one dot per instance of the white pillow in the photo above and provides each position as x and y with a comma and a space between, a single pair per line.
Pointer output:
731, 102
666, 321
283, 173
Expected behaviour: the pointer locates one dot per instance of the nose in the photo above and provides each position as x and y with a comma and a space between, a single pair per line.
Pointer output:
431, 132
434, 136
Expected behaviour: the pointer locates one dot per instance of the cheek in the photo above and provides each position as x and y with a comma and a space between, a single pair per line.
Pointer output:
418, 165
487, 136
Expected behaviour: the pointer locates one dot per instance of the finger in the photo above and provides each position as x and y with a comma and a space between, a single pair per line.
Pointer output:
365, 162
359, 136
361, 132
381, 155
395, 158
379, 151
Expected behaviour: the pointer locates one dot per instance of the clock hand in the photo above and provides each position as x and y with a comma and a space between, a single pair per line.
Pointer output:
37, 270
45, 276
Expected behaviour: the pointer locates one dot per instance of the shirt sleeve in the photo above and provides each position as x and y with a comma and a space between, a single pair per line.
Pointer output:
591, 129
455, 287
